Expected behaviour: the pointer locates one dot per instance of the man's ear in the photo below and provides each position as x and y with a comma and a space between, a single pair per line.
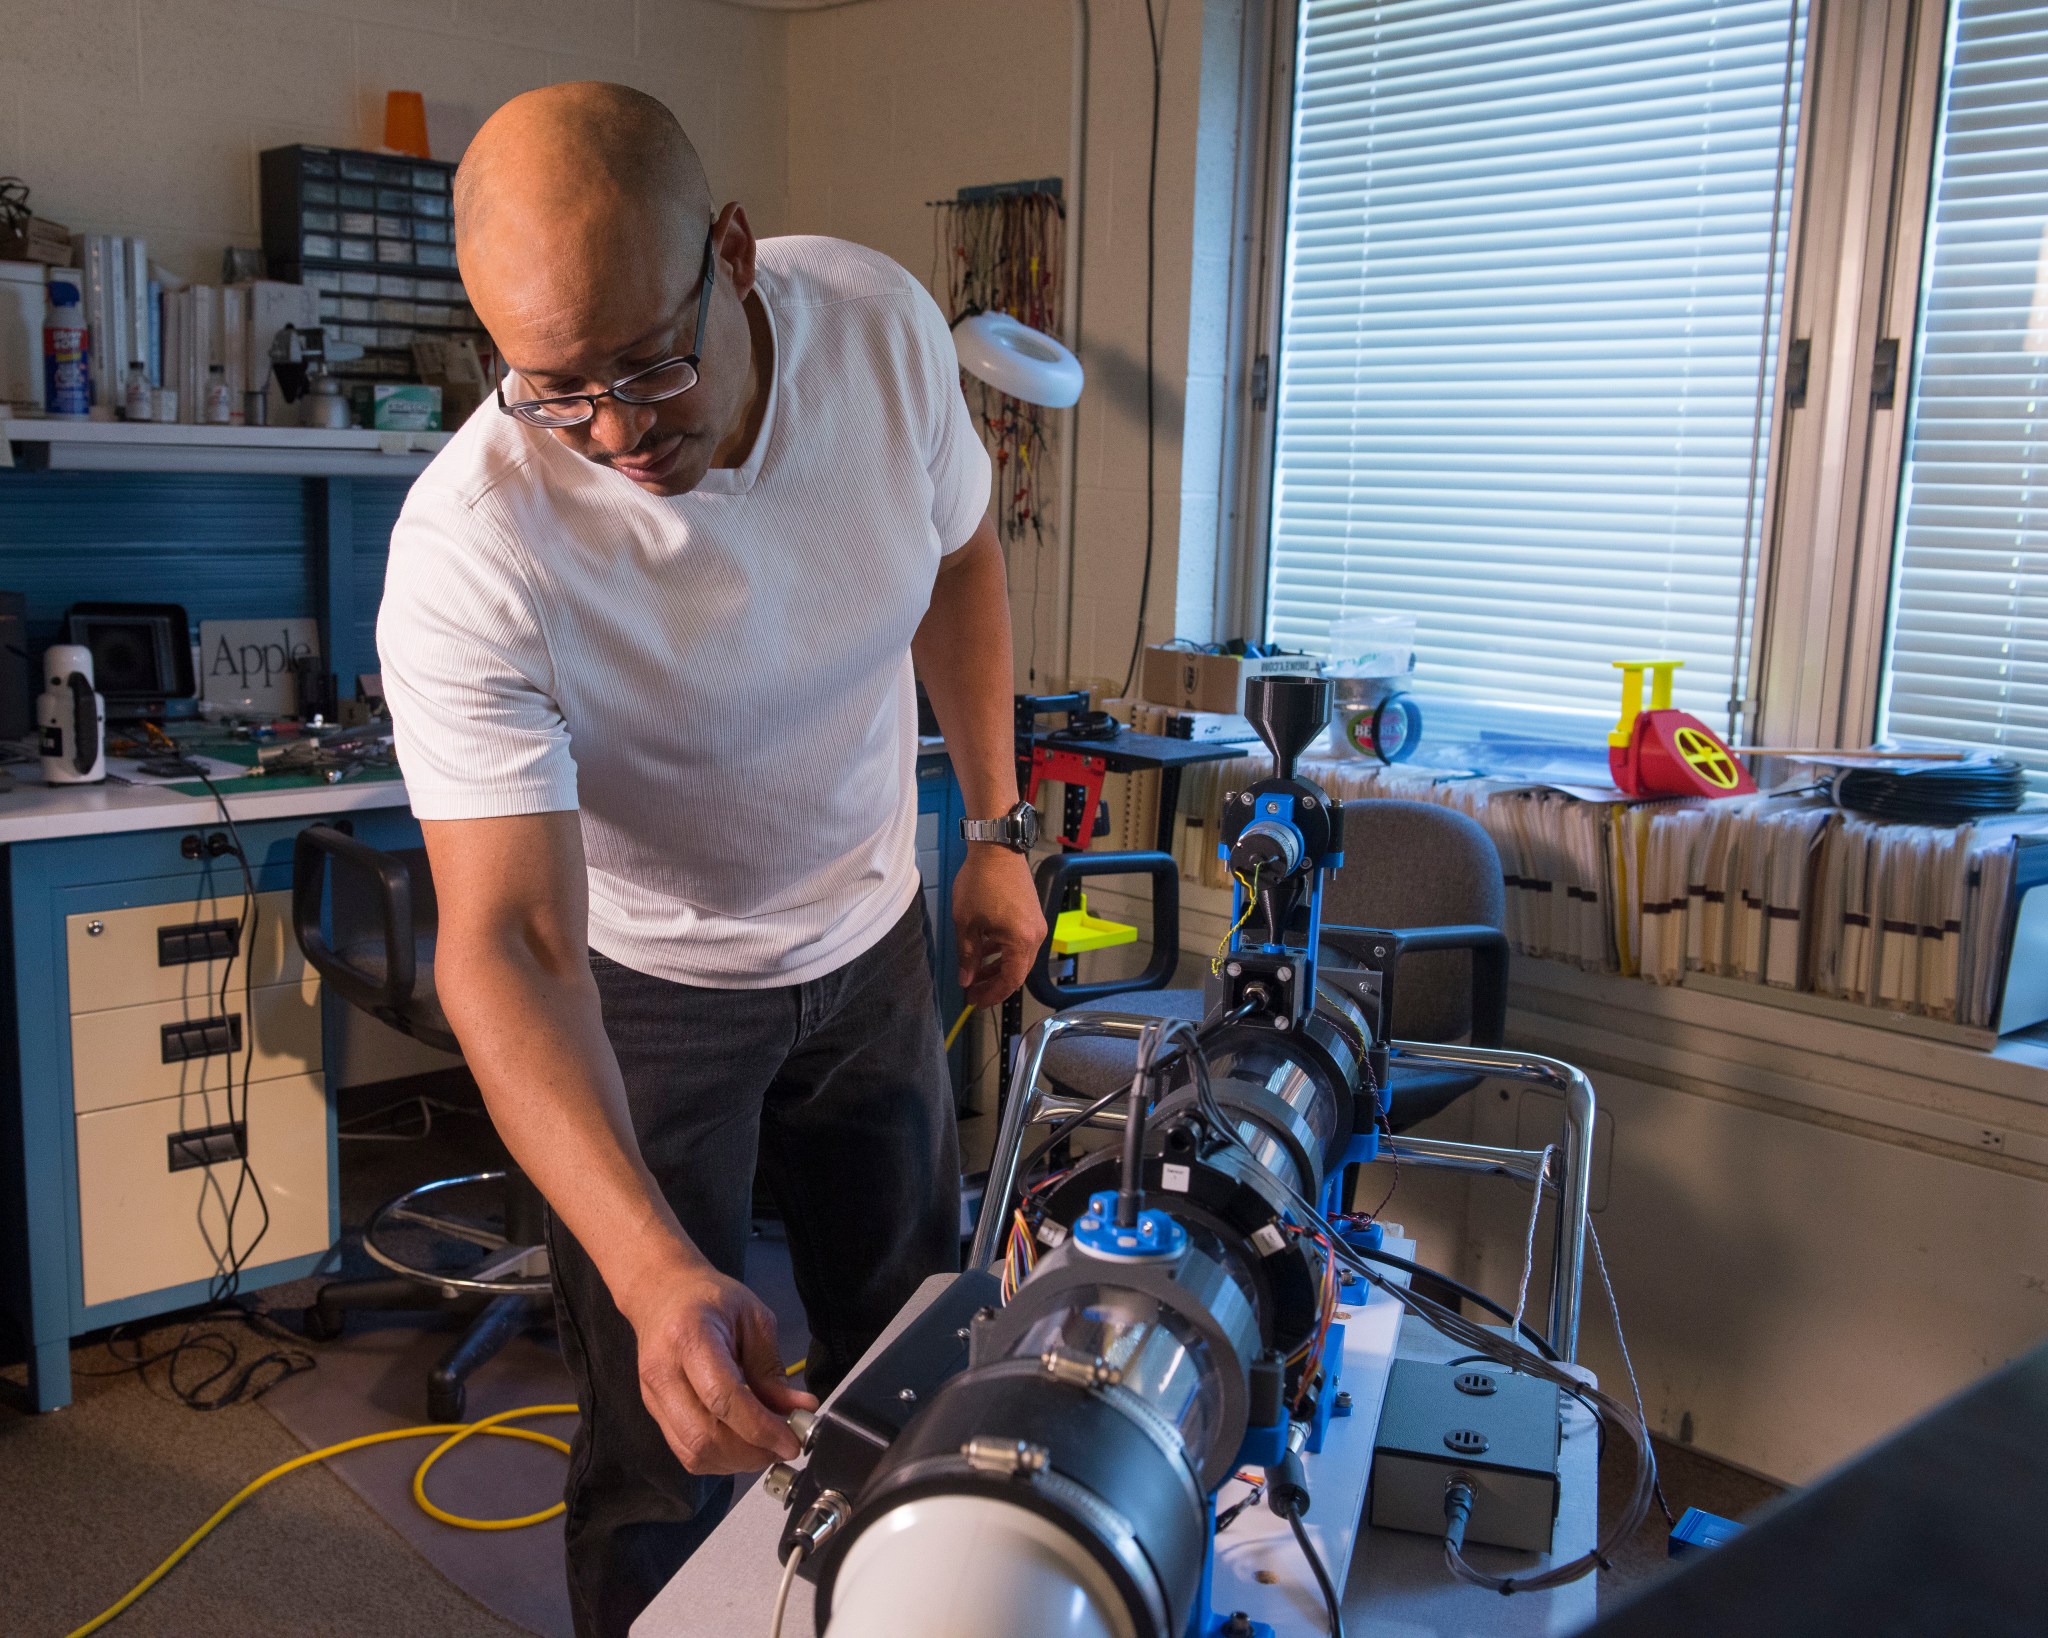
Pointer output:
734, 239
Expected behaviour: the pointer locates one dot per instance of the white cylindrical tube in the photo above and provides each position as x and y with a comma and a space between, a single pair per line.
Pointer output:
964, 1566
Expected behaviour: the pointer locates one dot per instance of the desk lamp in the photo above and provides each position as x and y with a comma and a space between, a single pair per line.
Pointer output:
1013, 358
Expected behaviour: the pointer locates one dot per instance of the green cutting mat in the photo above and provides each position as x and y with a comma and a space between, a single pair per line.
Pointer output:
245, 754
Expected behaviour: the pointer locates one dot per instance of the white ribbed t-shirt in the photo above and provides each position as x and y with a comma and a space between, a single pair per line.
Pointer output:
719, 682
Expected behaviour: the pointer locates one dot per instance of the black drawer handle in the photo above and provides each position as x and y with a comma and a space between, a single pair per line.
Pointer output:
192, 941
207, 1145
202, 1038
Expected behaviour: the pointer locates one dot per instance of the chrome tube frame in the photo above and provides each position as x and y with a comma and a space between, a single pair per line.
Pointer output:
1575, 1158
1028, 1103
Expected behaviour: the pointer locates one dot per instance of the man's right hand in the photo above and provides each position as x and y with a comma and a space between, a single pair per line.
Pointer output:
711, 1374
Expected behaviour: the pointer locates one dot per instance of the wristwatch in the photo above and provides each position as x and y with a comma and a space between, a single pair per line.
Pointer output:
1016, 830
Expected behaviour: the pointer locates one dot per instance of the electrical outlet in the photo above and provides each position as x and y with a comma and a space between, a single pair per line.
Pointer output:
1988, 1139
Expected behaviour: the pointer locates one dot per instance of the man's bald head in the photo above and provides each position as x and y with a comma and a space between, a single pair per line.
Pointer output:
582, 226
573, 157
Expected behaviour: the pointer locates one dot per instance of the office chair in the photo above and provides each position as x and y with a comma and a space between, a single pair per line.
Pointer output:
382, 913
1420, 899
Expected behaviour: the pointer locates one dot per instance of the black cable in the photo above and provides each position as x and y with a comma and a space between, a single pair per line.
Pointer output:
244, 1382
1074, 1122
1130, 1181
1067, 1128
1331, 1602
1478, 1299
228, 1277
1229, 1515
209, 1184
1943, 793
1151, 293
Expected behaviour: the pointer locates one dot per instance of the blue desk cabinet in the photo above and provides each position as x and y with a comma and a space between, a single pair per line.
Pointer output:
115, 1115
109, 1100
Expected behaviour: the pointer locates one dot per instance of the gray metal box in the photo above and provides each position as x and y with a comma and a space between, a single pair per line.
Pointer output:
1499, 1429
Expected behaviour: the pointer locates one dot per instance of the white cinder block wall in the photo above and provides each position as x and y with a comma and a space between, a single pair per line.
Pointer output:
896, 102
146, 116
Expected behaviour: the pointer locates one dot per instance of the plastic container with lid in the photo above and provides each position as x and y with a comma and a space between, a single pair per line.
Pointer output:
21, 337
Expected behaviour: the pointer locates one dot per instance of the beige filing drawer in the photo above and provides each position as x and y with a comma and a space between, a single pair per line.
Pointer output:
138, 1220
118, 966
117, 1056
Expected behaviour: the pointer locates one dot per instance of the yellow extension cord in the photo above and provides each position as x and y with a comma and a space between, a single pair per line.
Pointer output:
454, 1433
959, 1024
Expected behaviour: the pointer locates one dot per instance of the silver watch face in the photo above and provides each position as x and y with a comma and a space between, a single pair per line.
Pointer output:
1026, 821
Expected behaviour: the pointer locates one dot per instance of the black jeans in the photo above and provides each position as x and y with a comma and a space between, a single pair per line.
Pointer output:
838, 1089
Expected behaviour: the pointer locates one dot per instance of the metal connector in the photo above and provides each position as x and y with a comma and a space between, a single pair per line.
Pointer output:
822, 1519
1007, 1458
1079, 1369
778, 1481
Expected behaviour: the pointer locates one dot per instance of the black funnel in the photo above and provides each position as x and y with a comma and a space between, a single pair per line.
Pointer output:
1288, 712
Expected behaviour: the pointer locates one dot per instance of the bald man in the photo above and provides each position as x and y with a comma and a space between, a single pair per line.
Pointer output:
647, 635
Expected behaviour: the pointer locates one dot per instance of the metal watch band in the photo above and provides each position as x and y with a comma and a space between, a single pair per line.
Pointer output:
1015, 830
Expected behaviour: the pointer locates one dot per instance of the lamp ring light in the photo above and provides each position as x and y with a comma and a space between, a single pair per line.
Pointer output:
1014, 358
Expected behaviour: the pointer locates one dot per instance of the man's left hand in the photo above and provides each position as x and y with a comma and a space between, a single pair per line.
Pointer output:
997, 922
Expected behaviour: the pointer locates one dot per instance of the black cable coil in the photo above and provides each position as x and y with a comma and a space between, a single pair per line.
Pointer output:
1947, 793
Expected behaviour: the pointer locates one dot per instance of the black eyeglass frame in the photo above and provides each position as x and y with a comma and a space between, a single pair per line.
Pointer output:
620, 389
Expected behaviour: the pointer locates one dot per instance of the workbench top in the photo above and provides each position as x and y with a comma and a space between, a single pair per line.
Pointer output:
34, 812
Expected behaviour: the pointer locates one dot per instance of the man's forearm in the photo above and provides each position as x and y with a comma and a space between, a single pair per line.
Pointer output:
534, 1038
962, 650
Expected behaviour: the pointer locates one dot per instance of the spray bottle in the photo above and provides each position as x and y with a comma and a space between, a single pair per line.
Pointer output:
67, 350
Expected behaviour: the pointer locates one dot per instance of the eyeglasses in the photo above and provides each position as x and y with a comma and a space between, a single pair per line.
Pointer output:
671, 378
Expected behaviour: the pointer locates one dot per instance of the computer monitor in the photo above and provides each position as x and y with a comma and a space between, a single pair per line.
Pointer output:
141, 653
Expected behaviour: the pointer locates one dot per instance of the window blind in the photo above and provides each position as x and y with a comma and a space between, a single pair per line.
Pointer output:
1530, 280
1969, 638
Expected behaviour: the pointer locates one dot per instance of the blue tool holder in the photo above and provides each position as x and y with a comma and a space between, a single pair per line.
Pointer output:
1277, 808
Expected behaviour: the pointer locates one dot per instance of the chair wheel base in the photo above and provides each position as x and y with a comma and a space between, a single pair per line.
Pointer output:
445, 1401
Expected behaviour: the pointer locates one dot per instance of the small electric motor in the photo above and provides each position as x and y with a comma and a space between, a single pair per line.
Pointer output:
1667, 752
71, 718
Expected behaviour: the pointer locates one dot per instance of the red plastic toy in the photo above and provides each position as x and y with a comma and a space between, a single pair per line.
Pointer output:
1667, 752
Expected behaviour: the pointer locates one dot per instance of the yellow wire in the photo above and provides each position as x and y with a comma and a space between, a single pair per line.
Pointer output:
959, 1024
1251, 899
453, 1433
791, 1370
460, 1521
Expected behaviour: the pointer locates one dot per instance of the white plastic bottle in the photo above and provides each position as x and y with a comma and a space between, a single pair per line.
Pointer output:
138, 400
220, 405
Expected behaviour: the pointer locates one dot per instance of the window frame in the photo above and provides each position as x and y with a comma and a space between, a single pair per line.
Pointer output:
1822, 575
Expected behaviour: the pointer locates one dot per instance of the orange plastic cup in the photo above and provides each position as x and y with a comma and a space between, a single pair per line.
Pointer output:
405, 123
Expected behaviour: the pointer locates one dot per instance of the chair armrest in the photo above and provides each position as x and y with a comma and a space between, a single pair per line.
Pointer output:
315, 846
1381, 949
1063, 871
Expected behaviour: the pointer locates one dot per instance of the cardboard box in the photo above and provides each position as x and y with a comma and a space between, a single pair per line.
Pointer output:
1213, 682
408, 409
452, 365
35, 239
